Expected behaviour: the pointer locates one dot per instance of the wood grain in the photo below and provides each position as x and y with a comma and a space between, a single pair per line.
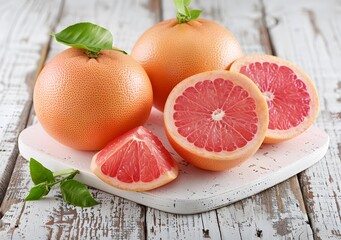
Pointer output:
25, 27
313, 42
114, 218
305, 32
277, 213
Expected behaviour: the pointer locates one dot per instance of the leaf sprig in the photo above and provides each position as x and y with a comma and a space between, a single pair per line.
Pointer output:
87, 36
185, 15
73, 191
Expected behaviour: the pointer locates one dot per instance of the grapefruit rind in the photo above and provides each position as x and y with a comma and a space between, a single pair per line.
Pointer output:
140, 186
275, 136
215, 161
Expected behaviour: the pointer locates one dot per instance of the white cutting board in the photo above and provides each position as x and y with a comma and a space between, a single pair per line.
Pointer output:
194, 190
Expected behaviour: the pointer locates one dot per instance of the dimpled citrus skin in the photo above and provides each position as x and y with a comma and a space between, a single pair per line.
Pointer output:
85, 102
171, 52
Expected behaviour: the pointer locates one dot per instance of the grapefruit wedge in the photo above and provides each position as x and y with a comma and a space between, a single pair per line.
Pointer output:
135, 161
216, 120
290, 94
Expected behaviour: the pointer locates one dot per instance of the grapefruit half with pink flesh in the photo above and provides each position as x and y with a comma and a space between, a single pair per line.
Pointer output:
290, 94
135, 161
216, 120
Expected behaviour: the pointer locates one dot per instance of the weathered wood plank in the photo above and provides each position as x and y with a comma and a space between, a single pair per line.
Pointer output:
25, 26
309, 34
115, 218
161, 225
277, 213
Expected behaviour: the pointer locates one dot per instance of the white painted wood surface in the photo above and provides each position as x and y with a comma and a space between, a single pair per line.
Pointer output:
306, 32
314, 43
119, 218
25, 28
194, 190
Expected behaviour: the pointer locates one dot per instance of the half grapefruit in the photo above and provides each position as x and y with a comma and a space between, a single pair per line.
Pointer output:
135, 161
290, 94
216, 120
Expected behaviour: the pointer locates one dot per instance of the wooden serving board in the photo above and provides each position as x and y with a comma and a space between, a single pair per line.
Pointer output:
194, 190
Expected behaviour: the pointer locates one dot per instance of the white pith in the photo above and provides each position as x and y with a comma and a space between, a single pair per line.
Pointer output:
218, 114
269, 96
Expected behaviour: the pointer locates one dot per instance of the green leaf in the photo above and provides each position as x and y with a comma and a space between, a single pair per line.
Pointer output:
180, 6
86, 36
188, 14
195, 14
187, 2
77, 193
37, 192
39, 173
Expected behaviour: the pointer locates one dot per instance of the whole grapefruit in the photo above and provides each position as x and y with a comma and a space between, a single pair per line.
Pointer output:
85, 102
171, 51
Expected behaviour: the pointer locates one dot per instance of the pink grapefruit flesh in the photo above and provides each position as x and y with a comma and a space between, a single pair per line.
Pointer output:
216, 120
290, 94
135, 161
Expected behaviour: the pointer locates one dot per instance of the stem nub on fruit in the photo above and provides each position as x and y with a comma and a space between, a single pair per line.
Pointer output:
92, 54
182, 18
183, 14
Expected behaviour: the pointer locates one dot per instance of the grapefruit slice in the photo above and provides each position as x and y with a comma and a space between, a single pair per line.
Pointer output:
216, 120
135, 161
291, 96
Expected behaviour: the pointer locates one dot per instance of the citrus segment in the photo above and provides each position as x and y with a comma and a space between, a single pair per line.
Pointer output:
290, 94
135, 161
215, 120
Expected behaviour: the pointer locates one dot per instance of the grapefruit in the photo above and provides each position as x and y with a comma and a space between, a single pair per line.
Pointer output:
85, 102
135, 161
171, 51
216, 120
291, 96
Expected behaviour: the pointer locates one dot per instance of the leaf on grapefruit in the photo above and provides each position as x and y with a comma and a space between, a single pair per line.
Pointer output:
291, 96
135, 161
216, 120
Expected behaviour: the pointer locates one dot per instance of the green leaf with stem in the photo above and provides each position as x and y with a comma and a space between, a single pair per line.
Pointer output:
38, 192
39, 173
87, 36
73, 191
76, 193
185, 15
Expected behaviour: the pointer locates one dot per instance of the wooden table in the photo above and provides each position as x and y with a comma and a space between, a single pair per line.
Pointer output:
306, 206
